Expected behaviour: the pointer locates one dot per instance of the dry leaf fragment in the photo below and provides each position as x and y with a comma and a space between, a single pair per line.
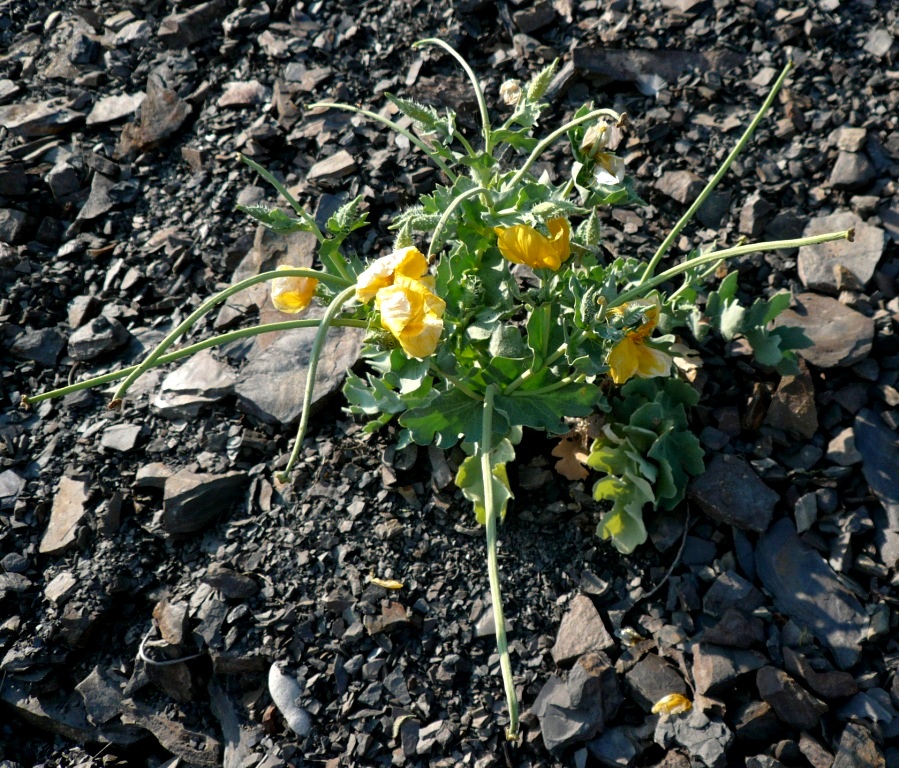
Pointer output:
572, 456
672, 704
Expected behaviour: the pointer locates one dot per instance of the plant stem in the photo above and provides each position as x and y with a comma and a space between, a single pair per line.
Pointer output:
476, 86
710, 258
455, 381
563, 382
445, 217
551, 139
719, 174
207, 306
317, 345
499, 621
393, 126
282, 190
171, 357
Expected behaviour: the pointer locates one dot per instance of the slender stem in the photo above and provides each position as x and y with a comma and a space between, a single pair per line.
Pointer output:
551, 139
476, 86
317, 345
282, 190
710, 270
464, 142
455, 381
445, 217
490, 511
206, 307
393, 126
563, 382
710, 258
171, 357
719, 174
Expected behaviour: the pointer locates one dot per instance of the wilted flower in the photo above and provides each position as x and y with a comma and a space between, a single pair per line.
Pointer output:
292, 294
510, 92
407, 263
631, 357
413, 314
609, 167
522, 244
672, 704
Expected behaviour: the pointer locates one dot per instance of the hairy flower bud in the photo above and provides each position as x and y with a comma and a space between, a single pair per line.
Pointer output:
510, 92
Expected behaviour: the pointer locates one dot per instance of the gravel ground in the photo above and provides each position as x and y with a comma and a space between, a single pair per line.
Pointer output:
152, 571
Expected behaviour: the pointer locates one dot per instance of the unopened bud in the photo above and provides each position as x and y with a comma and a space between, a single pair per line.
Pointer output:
596, 138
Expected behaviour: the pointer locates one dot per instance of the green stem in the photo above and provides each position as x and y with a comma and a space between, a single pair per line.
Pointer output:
455, 381
317, 345
282, 190
563, 382
206, 307
551, 139
464, 142
393, 126
719, 174
710, 270
710, 258
171, 357
445, 217
499, 621
476, 86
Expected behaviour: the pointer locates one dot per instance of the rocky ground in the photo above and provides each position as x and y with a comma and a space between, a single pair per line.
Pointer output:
153, 571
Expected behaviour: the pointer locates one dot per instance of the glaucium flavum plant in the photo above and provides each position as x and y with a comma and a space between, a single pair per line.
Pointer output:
495, 310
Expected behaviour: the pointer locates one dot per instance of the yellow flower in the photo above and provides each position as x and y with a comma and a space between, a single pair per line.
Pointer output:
522, 244
631, 357
292, 294
381, 273
413, 314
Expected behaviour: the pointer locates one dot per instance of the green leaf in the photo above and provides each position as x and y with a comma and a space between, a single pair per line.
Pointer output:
624, 522
449, 416
679, 456
547, 410
275, 219
470, 480
506, 341
426, 117
347, 218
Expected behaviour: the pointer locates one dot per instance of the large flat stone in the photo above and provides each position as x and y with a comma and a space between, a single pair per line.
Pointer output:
805, 588
840, 336
817, 263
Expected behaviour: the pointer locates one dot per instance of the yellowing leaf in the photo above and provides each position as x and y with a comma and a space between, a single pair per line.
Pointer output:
672, 704
387, 583
572, 457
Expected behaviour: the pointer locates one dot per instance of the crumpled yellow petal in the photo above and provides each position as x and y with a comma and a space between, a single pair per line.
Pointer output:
413, 314
406, 262
672, 704
631, 357
292, 294
522, 244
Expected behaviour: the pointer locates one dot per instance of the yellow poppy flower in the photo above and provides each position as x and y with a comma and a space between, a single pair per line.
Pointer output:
522, 244
381, 273
631, 357
292, 294
413, 315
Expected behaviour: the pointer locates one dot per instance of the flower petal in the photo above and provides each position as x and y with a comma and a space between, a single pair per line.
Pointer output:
292, 294
406, 262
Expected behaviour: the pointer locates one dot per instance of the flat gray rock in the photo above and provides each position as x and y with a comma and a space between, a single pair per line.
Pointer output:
69, 509
652, 678
192, 501
705, 739
43, 346
876, 443
580, 632
43, 118
114, 108
805, 588
201, 380
716, 669
858, 749
271, 385
851, 170
817, 263
731, 492
790, 701
840, 335
332, 168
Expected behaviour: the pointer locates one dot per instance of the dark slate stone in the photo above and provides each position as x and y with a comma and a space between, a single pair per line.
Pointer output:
731, 492
805, 588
